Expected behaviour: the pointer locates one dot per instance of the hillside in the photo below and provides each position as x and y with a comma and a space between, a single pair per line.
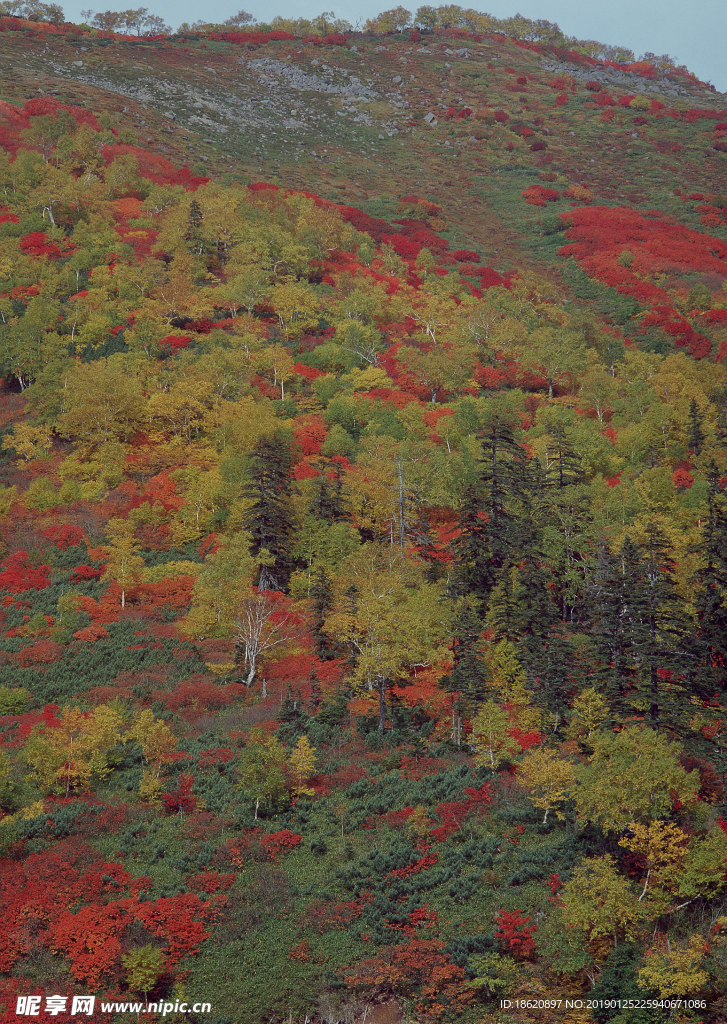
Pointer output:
363, 519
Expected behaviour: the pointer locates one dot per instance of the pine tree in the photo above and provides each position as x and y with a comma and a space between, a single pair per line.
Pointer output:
711, 602
468, 671
327, 499
269, 517
608, 600
564, 464
322, 597
487, 525
193, 234
696, 434
656, 623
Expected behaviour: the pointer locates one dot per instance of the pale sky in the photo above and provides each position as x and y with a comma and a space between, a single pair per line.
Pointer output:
694, 33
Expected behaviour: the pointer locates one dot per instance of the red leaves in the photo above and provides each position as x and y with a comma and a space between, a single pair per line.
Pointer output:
454, 813
154, 167
310, 433
257, 38
64, 535
254, 844
682, 479
515, 934
180, 800
331, 915
44, 652
39, 245
85, 572
538, 195
17, 575
427, 861
420, 968
90, 634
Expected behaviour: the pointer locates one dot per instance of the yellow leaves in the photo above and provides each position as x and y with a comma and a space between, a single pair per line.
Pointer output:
419, 824
295, 306
674, 970
600, 903
28, 440
588, 713
549, 778
632, 778
150, 787
155, 738
276, 363
170, 571
179, 296
489, 736
70, 755
102, 402
123, 561
663, 847
302, 765
182, 408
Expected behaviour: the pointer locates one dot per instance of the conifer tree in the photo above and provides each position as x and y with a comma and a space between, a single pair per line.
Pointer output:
696, 434
322, 596
269, 517
565, 466
711, 602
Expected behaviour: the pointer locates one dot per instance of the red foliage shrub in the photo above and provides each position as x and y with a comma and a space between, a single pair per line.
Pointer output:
682, 479
90, 634
85, 572
197, 692
215, 757
427, 861
64, 535
39, 245
538, 195
454, 813
331, 915
254, 844
310, 433
419, 969
256, 38
211, 881
17, 576
180, 800
154, 167
174, 342
515, 934
43, 652
599, 235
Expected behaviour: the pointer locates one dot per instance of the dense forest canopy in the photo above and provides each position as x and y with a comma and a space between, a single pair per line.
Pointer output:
364, 579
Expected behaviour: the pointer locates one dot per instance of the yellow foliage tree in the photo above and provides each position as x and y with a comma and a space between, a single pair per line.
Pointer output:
549, 778
302, 765
674, 971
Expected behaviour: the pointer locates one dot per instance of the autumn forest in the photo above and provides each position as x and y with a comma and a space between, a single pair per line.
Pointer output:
363, 522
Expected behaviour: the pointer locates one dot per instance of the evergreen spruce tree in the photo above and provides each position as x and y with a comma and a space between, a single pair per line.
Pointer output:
486, 544
327, 500
322, 597
468, 670
711, 601
696, 434
470, 548
657, 620
564, 464
269, 519
608, 603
